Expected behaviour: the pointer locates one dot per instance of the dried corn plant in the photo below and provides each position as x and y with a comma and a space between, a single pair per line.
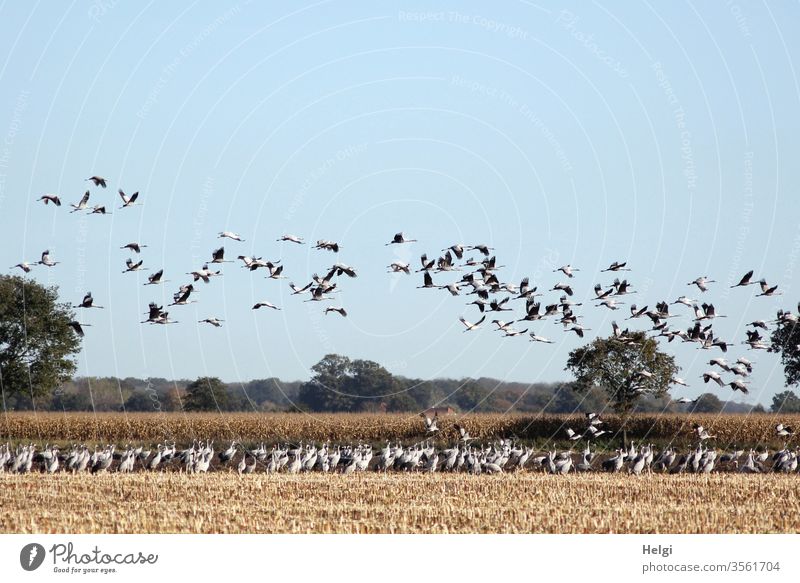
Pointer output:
743, 430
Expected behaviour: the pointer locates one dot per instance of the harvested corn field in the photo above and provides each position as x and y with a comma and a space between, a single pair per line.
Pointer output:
742, 430
398, 503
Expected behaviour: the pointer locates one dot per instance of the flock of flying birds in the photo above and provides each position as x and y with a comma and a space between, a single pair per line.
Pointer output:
479, 279
319, 289
493, 296
470, 278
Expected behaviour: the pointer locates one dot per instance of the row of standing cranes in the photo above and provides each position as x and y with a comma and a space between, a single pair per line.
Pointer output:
495, 457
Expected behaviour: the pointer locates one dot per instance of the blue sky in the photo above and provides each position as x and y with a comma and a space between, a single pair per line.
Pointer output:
661, 134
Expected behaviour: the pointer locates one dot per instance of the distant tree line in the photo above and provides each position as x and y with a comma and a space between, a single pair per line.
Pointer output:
39, 340
340, 384
159, 394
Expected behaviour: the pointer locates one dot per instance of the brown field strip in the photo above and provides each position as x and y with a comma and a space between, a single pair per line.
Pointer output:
119, 428
398, 503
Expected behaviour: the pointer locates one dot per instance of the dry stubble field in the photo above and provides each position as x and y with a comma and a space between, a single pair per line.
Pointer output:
225, 502
528, 502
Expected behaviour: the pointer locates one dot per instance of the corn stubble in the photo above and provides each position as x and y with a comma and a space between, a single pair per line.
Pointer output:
398, 503
528, 502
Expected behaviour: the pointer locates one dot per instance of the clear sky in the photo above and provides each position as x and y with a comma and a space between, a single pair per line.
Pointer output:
662, 134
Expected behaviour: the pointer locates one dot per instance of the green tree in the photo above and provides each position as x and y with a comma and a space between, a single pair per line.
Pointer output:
369, 383
564, 400
648, 404
707, 403
786, 340
206, 394
68, 397
174, 398
472, 397
37, 344
625, 369
401, 402
341, 384
325, 391
271, 391
786, 402
104, 393
147, 401
424, 393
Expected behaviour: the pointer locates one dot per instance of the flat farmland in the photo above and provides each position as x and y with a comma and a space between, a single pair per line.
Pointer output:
224, 502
